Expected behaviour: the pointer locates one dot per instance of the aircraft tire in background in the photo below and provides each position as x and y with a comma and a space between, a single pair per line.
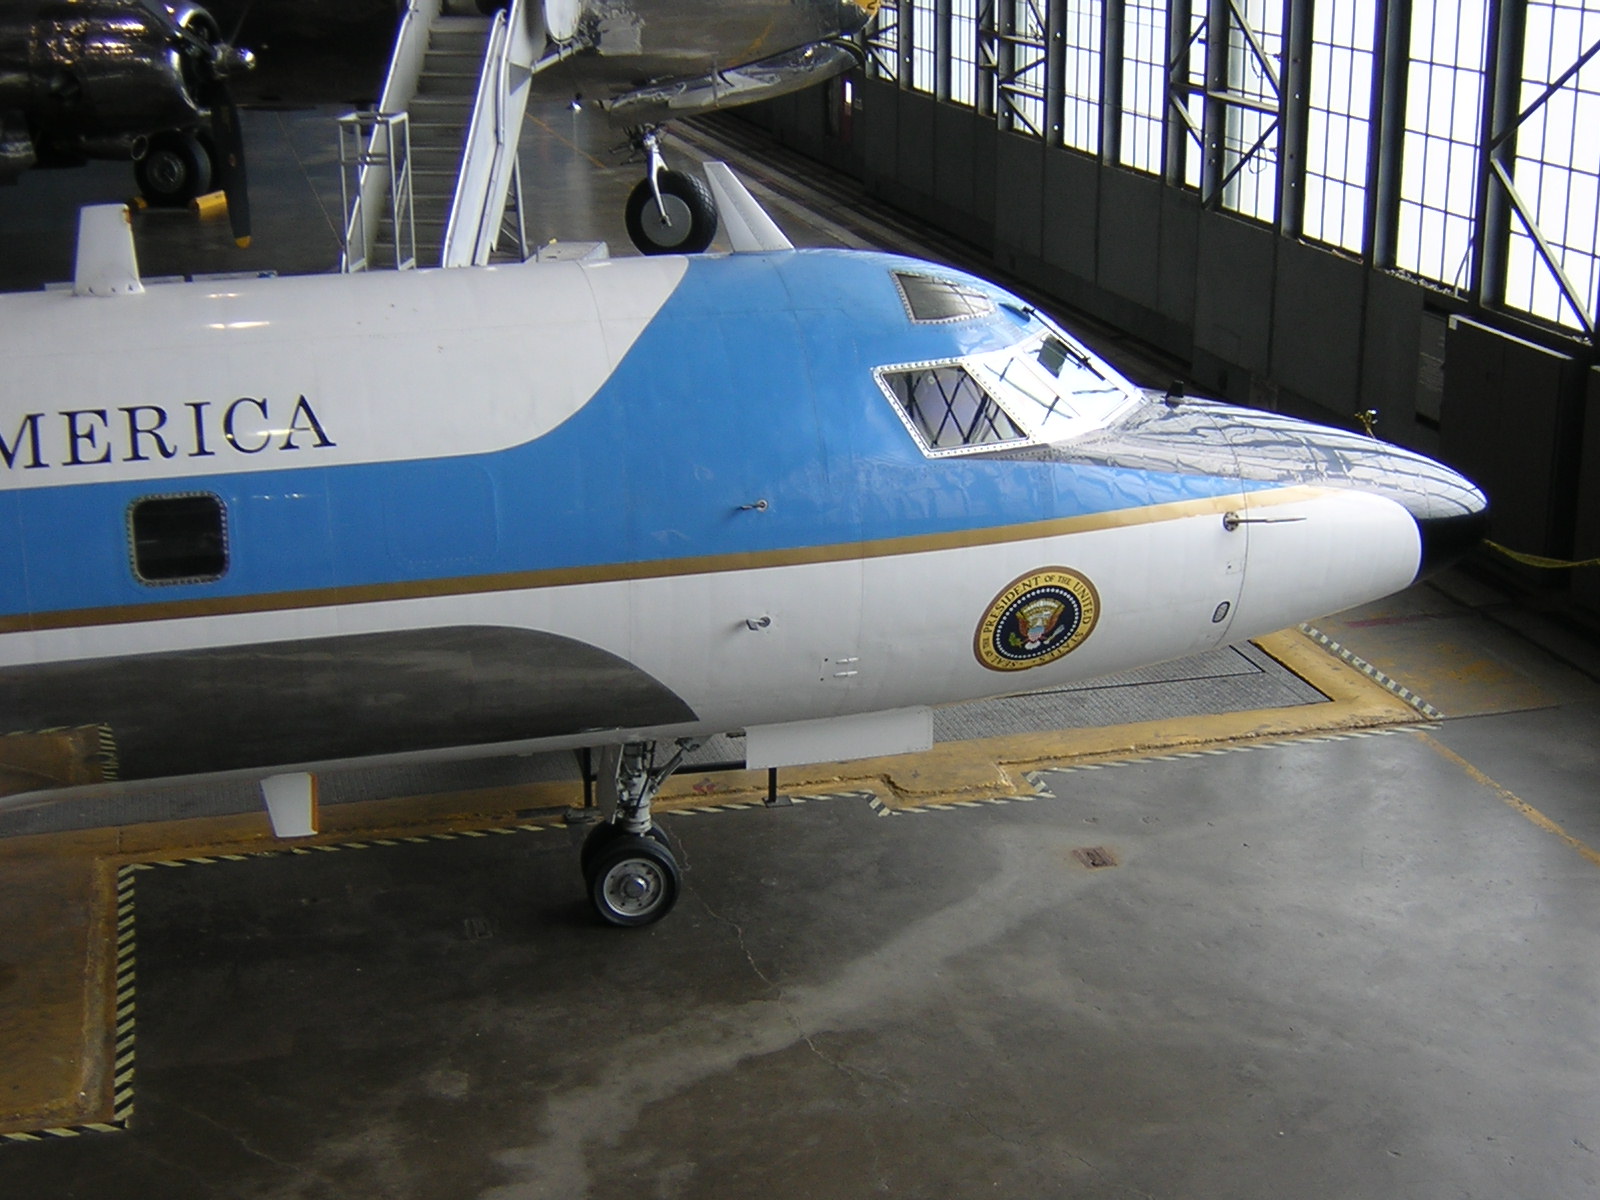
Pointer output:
633, 880
174, 170
691, 220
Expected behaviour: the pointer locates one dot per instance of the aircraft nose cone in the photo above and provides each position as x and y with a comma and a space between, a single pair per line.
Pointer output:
1448, 536
1451, 512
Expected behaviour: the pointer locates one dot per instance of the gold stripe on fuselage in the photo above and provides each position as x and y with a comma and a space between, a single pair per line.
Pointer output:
514, 581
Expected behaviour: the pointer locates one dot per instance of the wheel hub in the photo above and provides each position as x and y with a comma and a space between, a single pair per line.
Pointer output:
634, 886
165, 170
671, 229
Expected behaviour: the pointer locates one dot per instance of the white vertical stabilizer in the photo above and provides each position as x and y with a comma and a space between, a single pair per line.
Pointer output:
749, 227
107, 264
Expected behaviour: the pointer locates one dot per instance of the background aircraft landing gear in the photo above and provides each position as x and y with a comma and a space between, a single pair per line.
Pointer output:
628, 866
174, 170
669, 212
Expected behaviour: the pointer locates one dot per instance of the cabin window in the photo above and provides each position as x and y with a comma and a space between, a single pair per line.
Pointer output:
948, 409
178, 539
930, 300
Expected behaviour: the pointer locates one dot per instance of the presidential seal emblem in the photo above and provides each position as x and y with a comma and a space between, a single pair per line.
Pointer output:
1042, 616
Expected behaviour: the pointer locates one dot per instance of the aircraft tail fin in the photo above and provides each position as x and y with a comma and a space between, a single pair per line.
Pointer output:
749, 227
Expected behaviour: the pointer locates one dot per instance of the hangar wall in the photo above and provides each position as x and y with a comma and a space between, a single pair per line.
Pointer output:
1257, 317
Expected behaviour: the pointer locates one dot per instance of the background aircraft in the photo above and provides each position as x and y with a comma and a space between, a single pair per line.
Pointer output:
136, 79
644, 62
256, 528
635, 65
154, 82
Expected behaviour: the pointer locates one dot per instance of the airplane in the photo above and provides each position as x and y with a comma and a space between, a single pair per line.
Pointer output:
648, 62
264, 528
636, 65
124, 79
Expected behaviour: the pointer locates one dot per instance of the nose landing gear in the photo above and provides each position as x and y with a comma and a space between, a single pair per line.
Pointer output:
628, 865
668, 212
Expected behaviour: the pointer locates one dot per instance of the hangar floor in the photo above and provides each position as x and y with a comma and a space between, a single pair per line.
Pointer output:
1316, 941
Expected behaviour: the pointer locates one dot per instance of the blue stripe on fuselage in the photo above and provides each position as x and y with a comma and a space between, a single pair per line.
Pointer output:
754, 383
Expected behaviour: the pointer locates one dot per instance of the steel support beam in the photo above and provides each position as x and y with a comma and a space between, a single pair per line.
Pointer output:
1387, 137
906, 26
1055, 71
1294, 106
988, 62
1497, 149
1214, 125
941, 49
1114, 18
1176, 148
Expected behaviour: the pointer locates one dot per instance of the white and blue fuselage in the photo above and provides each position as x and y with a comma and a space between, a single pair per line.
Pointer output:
254, 524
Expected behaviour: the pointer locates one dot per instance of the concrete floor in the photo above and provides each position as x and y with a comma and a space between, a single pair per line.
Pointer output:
1350, 966
1335, 968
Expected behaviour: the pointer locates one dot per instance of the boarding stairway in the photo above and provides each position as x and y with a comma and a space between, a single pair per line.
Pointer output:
430, 177
441, 113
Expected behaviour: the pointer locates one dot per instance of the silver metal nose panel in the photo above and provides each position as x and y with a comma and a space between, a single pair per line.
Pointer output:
1451, 512
1208, 437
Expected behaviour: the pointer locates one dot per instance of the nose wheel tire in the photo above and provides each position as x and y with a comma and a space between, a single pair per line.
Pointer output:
174, 170
690, 220
632, 880
603, 834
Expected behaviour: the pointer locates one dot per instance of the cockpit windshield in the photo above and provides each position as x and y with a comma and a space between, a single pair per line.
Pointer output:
1043, 389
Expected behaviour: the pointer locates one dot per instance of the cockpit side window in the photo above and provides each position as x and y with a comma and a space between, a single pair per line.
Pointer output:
1041, 390
948, 409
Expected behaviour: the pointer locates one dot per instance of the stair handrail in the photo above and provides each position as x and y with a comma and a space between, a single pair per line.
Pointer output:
490, 147
482, 138
520, 62
399, 88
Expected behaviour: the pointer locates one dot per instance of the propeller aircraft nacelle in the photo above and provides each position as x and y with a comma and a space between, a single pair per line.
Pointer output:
117, 79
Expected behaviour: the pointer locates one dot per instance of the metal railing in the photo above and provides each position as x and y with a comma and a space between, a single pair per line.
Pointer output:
374, 164
364, 203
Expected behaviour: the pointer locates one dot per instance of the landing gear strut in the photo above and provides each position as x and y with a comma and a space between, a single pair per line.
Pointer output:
668, 212
628, 865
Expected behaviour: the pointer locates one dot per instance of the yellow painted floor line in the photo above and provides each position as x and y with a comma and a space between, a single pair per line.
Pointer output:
1513, 801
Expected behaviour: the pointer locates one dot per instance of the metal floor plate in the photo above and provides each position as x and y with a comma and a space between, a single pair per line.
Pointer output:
1231, 679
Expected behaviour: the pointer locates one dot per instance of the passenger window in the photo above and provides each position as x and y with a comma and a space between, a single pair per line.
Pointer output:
178, 539
948, 409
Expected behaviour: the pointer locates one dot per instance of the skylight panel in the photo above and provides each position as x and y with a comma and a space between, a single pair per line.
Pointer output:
930, 299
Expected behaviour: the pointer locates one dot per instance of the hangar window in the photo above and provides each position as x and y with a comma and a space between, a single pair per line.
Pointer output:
948, 409
932, 300
178, 539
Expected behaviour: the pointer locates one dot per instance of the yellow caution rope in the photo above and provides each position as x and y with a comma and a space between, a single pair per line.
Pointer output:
1538, 560
1368, 418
